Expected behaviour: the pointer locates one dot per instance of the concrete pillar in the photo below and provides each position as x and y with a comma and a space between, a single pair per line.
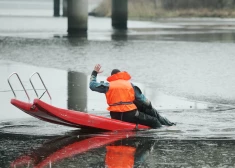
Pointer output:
77, 91
119, 14
77, 16
56, 7
65, 7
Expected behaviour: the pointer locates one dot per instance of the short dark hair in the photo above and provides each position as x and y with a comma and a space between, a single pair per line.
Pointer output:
114, 71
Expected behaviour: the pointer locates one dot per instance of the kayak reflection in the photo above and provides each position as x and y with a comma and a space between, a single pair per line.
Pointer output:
110, 149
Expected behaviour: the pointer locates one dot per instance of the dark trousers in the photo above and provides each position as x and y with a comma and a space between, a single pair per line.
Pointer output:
137, 117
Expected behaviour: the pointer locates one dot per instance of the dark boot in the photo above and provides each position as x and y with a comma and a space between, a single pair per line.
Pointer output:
147, 120
163, 120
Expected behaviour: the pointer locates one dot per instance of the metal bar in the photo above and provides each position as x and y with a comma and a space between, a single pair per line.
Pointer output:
33, 87
14, 73
30, 79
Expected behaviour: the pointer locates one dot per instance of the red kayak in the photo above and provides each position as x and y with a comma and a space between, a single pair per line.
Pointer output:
55, 115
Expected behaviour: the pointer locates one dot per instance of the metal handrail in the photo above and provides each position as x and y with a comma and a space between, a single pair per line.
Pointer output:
14, 73
30, 79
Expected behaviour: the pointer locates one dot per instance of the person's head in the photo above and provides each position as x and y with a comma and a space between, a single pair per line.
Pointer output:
114, 71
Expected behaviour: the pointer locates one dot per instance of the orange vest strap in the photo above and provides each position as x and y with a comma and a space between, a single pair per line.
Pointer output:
120, 103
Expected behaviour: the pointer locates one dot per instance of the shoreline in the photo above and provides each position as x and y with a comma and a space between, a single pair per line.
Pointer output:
149, 10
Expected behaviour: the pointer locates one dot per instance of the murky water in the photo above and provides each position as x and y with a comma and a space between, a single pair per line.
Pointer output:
184, 66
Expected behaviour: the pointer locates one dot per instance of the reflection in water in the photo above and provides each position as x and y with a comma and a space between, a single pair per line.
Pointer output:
120, 35
76, 36
198, 34
107, 149
129, 152
209, 37
13, 145
77, 91
113, 148
190, 153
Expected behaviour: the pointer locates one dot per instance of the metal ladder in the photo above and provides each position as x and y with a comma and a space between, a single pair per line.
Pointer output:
30, 79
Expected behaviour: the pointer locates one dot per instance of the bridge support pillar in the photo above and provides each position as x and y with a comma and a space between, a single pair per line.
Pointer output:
119, 14
77, 16
65, 8
56, 7
77, 91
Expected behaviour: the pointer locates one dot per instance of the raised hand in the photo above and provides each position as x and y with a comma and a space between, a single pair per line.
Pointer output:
97, 68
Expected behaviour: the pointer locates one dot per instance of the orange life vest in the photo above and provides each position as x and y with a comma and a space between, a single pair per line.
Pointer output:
121, 94
120, 156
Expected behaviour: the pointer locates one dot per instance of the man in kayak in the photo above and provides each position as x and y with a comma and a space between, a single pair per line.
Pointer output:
125, 100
